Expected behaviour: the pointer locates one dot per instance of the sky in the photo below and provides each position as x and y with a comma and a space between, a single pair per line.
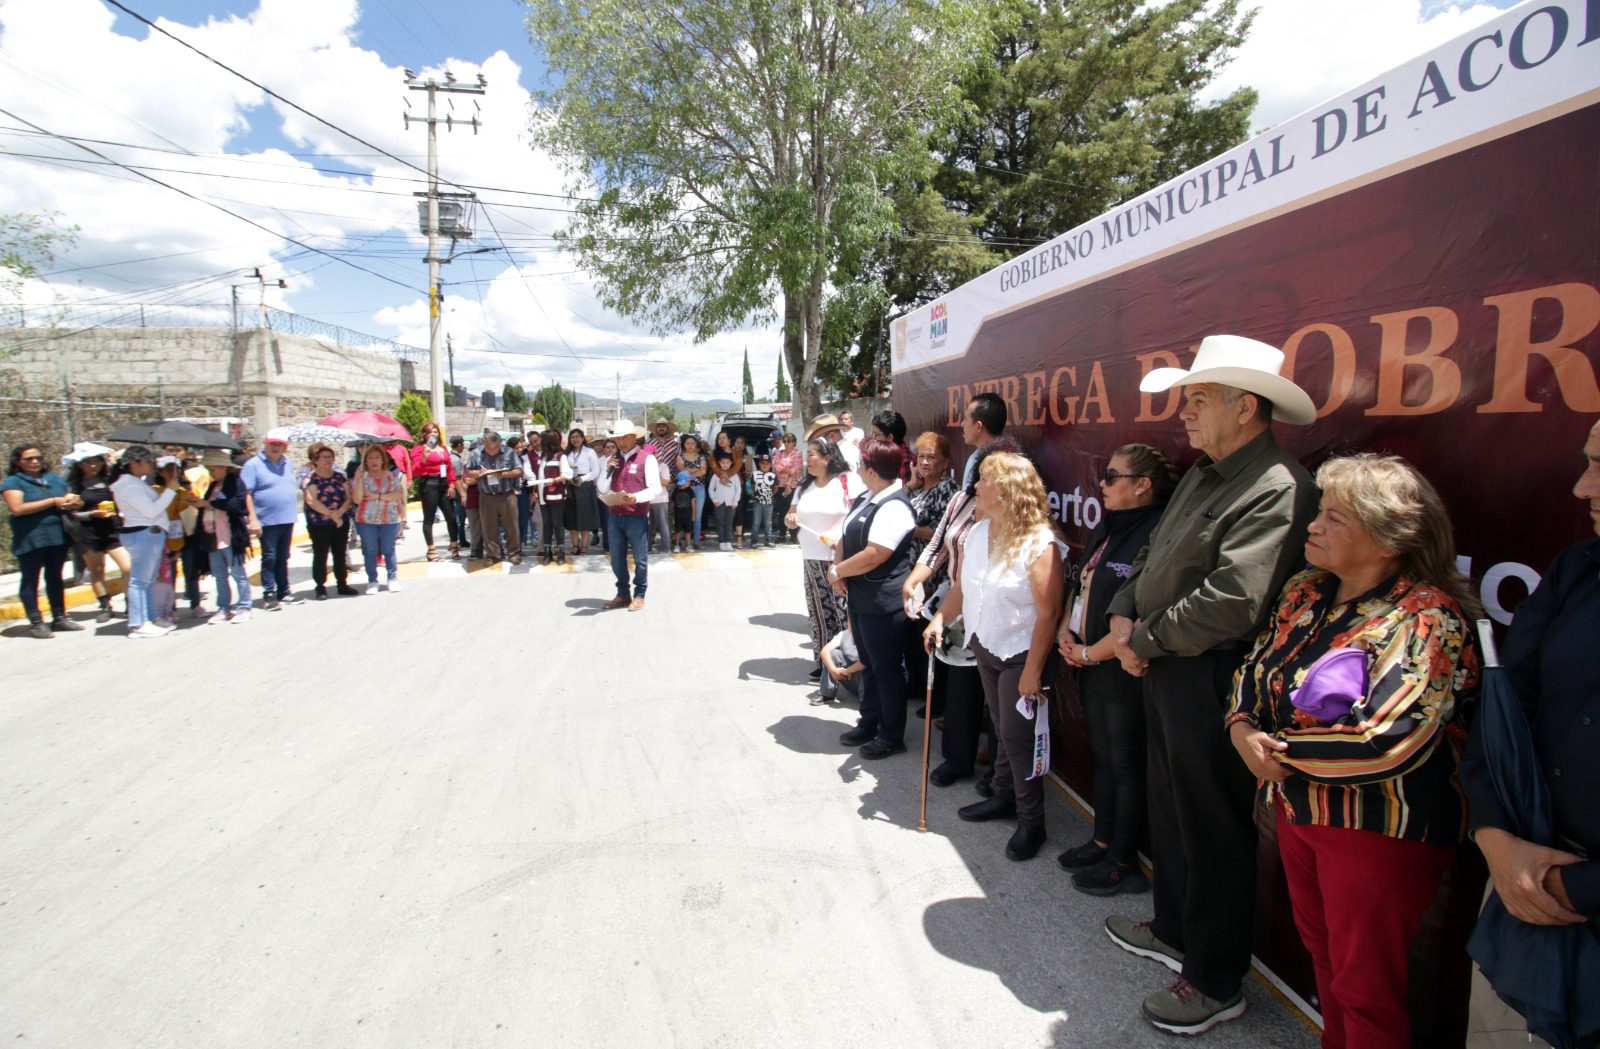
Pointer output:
521, 312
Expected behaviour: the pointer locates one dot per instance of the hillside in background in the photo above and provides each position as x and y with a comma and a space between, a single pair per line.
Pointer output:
682, 409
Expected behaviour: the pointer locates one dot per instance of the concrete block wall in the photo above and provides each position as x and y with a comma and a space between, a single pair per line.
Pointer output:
266, 377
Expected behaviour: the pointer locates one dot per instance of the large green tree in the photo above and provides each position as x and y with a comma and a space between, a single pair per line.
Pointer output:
412, 412
780, 392
1081, 105
749, 393
555, 403
740, 150
513, 398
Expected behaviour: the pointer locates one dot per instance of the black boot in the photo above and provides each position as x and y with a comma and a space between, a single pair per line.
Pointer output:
1025, 841
999, 807
105, 611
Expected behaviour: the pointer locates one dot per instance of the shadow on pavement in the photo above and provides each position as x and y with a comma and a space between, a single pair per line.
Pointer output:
587, 606
784, 671
793, 622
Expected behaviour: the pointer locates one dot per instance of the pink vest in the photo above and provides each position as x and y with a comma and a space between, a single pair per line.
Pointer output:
630, 478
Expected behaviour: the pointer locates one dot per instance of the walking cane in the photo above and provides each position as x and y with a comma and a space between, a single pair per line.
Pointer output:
927, 740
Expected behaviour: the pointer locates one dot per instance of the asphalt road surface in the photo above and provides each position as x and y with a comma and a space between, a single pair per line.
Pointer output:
482, 812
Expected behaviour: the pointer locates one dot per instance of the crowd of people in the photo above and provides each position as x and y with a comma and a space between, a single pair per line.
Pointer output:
1240, 631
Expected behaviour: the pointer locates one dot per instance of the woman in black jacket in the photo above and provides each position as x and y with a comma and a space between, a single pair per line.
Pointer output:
1134, 490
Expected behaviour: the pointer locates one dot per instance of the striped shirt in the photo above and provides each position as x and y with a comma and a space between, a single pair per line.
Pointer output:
1391, 765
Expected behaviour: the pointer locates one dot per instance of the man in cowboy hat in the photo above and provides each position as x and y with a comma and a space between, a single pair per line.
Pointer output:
630, 482
829, 428
664, 446
1198, 594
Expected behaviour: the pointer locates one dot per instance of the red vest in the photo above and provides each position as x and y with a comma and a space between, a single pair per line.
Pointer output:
556, 490
630, 478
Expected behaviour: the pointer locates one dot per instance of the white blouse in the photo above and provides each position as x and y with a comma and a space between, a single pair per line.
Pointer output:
820, 510
997, 599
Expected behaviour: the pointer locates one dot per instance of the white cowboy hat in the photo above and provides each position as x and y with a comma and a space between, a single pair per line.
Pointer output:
627, 429
1245, 364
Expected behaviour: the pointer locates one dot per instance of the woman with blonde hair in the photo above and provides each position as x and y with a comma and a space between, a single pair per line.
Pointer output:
1009, 592
380, 496
1346, 713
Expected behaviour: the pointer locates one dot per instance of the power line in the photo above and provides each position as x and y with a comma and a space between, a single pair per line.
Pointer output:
219, 207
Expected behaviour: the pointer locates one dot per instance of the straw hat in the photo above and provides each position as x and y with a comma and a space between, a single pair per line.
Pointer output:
216, 457
1245, 364
821, 424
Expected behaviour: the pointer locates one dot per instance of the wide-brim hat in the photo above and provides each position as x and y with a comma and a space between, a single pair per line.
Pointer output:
216, 457
85, 450
821, 423
1245, 364
627, 429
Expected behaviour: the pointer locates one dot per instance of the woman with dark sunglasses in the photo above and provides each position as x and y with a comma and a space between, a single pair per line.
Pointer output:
36, 498
1134, 491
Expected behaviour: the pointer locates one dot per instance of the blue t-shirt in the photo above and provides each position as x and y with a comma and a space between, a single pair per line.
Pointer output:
273, 487
35, 531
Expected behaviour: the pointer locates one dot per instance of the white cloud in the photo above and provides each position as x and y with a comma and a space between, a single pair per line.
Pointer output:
144, 88
1301, 53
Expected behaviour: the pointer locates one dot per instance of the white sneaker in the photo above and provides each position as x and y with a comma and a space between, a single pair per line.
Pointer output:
199, 612
372, 588
148, 630
164, 623
394, 586
241, 616
218, 618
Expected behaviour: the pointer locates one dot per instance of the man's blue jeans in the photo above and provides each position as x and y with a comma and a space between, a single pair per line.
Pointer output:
625, 531
275, 541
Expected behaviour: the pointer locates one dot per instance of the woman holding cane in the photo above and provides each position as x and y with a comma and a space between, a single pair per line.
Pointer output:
1009, 590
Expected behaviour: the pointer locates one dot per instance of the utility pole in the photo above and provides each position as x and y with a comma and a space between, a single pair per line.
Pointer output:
457, 227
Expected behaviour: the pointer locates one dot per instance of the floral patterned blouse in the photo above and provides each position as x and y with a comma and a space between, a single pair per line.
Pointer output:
329, 491
1390, 765
376, 510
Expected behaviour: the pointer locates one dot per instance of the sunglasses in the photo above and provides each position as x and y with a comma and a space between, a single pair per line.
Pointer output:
1112, 477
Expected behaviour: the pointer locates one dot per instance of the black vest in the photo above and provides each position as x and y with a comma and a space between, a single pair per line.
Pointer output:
877, 592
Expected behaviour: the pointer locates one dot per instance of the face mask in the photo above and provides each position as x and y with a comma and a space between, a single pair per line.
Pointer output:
433, 440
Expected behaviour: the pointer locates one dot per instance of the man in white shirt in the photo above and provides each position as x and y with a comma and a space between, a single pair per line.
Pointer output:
630, 482
849, 432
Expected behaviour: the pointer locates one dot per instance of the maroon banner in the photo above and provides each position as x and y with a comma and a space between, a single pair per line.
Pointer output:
1449, 313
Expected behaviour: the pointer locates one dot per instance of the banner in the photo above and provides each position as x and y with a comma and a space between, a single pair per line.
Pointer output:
1425, 250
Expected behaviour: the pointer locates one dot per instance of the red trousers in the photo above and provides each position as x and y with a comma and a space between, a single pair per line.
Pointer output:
1358, 900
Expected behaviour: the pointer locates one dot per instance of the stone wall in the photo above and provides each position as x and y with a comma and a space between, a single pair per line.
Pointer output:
121, 375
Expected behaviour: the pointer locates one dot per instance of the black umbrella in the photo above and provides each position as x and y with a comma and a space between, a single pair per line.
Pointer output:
1545, 972
173, 431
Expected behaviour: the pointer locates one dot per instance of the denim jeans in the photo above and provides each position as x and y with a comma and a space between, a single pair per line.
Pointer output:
527, 519
144, 555
225, 564
762, 527
275, 541
624, 531
699, 491
378, 539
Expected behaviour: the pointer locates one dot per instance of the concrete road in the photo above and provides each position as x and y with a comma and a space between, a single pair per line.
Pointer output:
481, 812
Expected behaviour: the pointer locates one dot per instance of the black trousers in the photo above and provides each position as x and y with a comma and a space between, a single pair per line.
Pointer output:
1113, 705
1201, 826
1013, 757
880, 640
46, 561
435, 492
326, 539
962, 691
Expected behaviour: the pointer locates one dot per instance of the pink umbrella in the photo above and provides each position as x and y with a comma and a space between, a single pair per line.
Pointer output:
369, 423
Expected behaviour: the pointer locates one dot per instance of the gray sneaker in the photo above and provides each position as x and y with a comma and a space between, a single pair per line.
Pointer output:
1183, 1009
1137, 938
